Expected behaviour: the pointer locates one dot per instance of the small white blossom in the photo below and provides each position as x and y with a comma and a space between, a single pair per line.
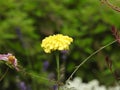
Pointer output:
77, 84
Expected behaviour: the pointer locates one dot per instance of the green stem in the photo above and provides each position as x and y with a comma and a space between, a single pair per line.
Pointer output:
58, 68
4, 74
89, 58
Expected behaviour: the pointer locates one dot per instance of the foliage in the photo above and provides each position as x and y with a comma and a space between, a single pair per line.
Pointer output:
24, 23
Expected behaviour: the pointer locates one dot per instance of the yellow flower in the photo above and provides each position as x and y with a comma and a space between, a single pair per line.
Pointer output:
56, 42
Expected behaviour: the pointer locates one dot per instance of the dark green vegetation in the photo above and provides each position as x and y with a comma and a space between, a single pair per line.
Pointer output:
24, 23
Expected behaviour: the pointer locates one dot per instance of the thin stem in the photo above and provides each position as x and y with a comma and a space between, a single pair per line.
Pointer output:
36, 75
89, 58
116, 8
58, 68
4, 74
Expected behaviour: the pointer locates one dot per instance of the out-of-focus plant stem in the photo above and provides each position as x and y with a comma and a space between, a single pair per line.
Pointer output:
4, 74
89, 58
58, 68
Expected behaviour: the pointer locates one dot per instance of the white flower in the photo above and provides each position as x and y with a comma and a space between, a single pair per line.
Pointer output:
77, 84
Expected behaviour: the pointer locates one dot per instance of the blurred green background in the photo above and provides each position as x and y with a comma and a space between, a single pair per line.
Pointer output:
24, 23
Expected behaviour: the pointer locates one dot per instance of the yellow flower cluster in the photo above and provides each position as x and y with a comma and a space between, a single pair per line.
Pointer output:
56, 42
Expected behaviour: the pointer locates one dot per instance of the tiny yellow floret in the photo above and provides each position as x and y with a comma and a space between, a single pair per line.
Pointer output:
56, 42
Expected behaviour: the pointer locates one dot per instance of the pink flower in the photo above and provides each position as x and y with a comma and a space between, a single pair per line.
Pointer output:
9, 58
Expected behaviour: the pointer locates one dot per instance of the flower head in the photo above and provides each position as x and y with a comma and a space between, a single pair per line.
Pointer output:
56, 42
10, 59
